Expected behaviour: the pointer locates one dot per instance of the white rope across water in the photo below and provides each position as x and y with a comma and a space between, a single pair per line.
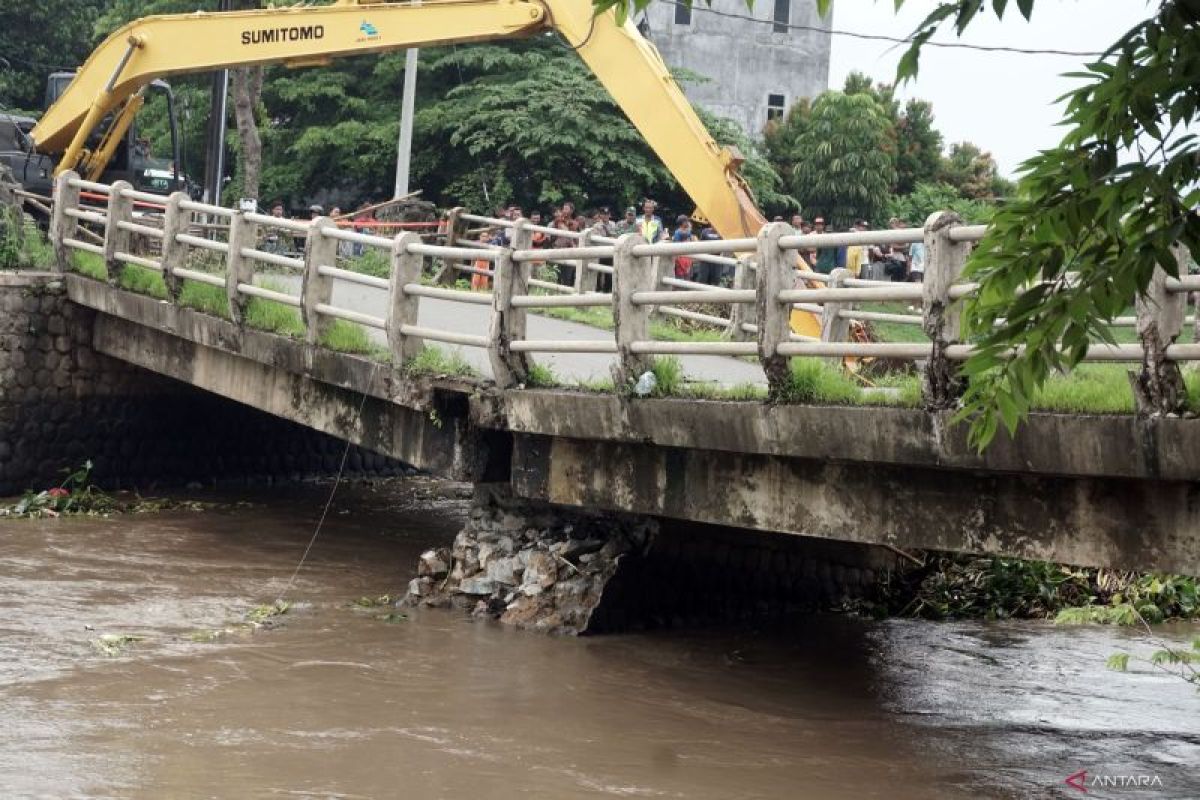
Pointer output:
332, 492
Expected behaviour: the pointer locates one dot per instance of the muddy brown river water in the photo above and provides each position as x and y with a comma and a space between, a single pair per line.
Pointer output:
340, 702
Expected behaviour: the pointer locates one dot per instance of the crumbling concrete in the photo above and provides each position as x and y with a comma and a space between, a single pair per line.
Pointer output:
528, 564
561, 570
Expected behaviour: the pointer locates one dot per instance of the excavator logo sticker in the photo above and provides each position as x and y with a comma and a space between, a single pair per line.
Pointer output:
369, 31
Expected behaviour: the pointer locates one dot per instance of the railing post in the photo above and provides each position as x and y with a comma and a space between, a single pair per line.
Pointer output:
447, 275
120, 209
508, 323
452, 221
62, 225
1159, 389
631, 322
660, 267
174, 252
775, 273
404, 308
317, 289
238, 268
741, 314
835, 327
944, 260
585, 279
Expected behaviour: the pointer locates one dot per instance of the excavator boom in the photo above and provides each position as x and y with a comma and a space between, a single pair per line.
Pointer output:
625, 63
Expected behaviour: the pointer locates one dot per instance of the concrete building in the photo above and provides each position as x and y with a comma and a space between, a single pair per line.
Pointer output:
755, 69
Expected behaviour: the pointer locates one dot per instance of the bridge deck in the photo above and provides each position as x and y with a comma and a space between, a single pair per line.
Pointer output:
1106, 491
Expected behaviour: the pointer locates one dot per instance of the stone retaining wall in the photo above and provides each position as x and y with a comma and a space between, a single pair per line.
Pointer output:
562, 570
61, 403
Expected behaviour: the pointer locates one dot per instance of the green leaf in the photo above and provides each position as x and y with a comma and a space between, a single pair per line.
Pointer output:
1118, 662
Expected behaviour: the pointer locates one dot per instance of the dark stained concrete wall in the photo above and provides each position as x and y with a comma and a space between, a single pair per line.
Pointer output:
62, 402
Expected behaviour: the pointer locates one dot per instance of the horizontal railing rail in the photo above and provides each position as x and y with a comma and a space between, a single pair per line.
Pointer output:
770, 282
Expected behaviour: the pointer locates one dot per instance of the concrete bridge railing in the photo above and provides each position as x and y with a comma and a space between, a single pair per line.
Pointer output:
767, 287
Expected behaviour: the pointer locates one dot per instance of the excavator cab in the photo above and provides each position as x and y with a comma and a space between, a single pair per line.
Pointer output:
132, 157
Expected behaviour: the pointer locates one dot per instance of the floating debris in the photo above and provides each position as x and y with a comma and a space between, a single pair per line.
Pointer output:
112, 644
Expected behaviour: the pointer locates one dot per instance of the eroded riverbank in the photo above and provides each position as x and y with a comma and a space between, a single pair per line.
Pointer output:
337, 702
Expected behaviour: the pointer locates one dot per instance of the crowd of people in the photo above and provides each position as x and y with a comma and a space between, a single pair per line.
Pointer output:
897, 262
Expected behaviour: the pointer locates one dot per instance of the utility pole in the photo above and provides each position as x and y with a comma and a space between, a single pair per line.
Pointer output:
214, 155
407, 103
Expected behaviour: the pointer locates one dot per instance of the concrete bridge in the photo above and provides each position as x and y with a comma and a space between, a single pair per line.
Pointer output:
1118, 491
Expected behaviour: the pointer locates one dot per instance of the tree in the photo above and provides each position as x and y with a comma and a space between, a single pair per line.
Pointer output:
918, 146
844, 160
37, 39
246, 85
781, 137
926, 198
970, 170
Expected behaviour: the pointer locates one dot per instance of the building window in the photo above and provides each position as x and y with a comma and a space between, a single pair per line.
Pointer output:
783, 16
775, 104
683, 13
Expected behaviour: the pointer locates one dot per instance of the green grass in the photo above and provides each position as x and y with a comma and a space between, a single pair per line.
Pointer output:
1088, 389
816, 382
601, 317
896, 389
668, 375
438, 362
264, 315
90, 265
371, 262
541, 376
28, 250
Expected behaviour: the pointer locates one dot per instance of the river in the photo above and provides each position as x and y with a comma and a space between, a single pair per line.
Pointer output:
339, 701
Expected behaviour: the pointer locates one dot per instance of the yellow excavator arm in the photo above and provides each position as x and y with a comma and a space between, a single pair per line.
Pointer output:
626, 64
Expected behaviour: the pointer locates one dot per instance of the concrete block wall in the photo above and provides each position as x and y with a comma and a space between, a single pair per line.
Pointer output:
61, 403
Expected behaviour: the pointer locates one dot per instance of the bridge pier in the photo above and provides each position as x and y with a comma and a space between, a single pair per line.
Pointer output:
564, 570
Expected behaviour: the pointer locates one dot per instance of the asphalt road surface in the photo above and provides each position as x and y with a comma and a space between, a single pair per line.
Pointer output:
568, 367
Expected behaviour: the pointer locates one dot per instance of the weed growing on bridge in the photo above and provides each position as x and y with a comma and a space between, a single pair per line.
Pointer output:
1089, 388
264, 315
29, 250
668, 376
812, 381
436, 362
89, 265
542, 376
897, 389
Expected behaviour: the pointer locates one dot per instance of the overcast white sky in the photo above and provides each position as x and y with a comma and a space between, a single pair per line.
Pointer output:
1000, 101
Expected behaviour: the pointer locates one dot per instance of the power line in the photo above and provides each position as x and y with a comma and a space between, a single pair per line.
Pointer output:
881, 38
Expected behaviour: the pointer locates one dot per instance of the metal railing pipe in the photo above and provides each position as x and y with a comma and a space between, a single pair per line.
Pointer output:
350, 276
560, 301
453, 295
352, 316
688, 298
269, 294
